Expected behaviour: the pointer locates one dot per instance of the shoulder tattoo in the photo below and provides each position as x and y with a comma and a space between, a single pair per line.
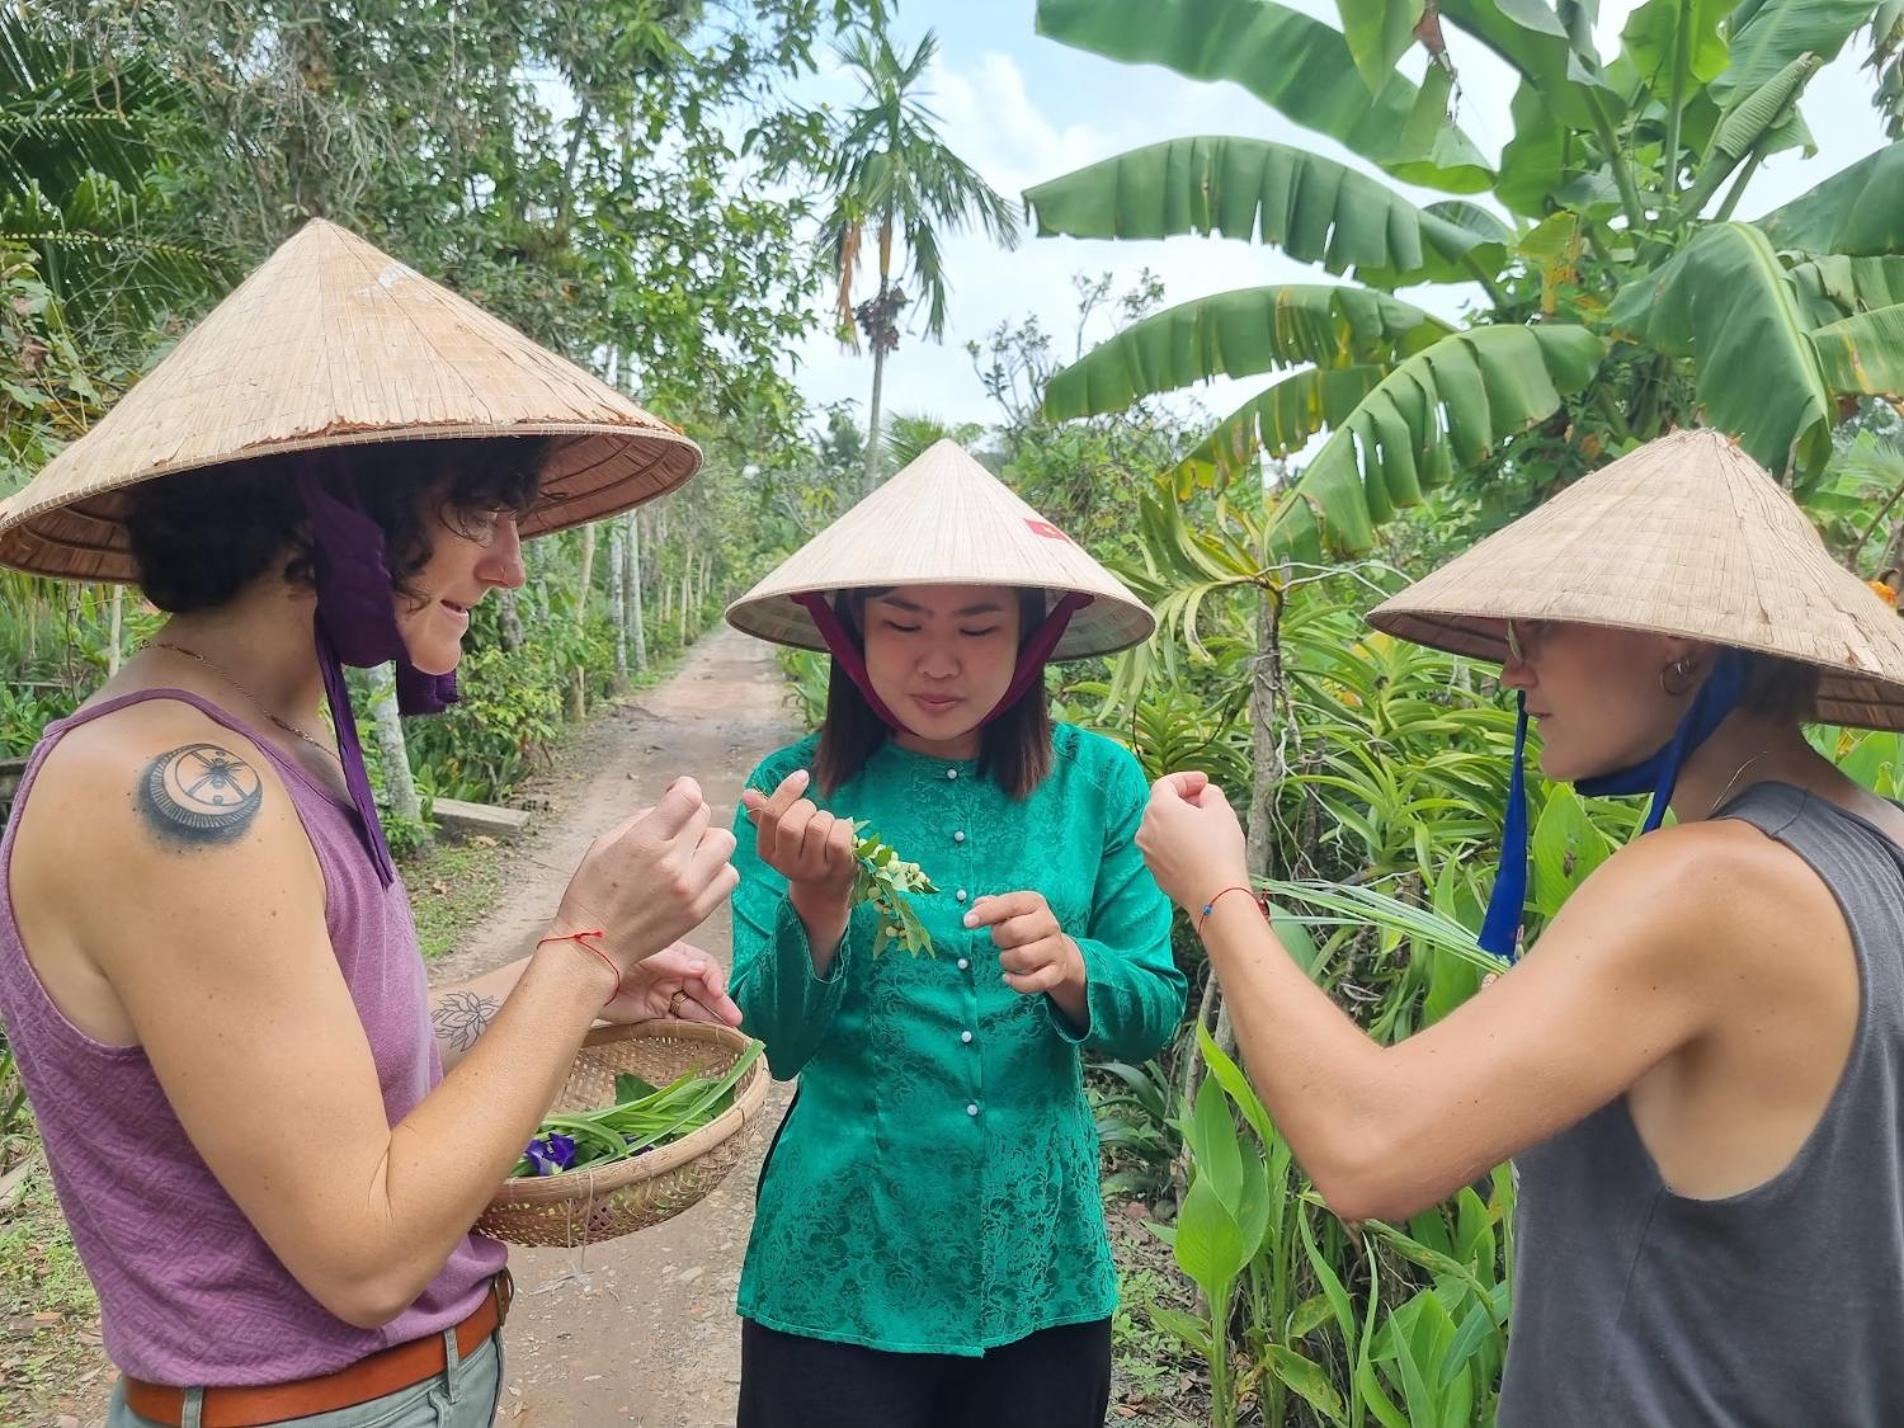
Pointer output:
199, 795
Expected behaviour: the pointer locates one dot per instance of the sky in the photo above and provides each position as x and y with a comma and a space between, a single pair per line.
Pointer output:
1023, 109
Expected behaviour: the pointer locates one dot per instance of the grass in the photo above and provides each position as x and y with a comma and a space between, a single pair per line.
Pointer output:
1155, 1381
50, 1359
453, 887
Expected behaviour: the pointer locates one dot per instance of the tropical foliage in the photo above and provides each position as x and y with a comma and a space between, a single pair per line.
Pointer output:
150, 154
1619, 299
1615, 291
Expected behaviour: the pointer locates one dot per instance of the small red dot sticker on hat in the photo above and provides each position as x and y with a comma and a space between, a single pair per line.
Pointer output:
1047, 530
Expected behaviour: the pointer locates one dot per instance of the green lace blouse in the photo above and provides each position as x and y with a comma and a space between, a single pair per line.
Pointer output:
935, 1186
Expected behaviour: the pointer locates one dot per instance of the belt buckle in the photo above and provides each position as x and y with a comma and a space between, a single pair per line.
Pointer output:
505, 1289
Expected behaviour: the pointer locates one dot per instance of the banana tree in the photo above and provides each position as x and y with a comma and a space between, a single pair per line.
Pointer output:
1622, 294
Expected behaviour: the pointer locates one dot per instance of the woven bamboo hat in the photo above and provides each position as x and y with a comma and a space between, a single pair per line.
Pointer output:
1685, 536
944, 520
332, 343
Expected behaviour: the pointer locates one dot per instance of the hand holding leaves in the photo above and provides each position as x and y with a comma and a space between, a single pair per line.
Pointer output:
833, 860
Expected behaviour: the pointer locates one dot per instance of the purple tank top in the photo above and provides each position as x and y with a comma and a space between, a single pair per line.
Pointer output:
189, 1294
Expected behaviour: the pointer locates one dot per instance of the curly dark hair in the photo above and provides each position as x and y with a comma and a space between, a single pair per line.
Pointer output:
200, 537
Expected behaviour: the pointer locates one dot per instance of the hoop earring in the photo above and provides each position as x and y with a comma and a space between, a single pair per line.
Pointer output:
1679, 668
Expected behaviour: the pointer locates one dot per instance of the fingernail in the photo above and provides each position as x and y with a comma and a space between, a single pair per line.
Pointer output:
802, 775
971, 920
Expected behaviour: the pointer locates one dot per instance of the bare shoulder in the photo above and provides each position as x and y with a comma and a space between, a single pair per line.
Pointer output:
1718, 898
130, 800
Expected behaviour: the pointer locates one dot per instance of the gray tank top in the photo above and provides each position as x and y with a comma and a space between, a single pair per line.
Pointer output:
1782, 1306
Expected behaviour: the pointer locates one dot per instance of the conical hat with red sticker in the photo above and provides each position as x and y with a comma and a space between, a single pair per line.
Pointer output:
945, 520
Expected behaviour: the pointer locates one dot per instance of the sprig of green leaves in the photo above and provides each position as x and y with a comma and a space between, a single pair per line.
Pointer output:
884, 880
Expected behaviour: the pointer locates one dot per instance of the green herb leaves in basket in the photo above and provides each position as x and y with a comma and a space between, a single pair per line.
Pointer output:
884, 880
642, 1117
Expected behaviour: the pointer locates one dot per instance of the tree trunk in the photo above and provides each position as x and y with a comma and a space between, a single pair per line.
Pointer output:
1893, 566
618, 600
1266, 755
1266, 775
397, 782
687, 574
578, 692
511, 620
113, 655
872, 422
588, 575
631, 573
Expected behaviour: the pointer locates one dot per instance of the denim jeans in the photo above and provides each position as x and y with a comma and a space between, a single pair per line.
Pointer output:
463, 1396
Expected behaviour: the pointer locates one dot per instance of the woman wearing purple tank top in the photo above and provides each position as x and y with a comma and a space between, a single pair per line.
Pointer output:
1699, 1071
270, 1141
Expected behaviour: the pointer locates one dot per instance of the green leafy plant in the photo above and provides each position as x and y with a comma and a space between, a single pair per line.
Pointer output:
1619, 302
884, 879
642, 1117
1135, 1108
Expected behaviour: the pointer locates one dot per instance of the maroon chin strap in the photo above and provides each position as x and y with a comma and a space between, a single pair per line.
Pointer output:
847, 655
1032, 658
1037, 653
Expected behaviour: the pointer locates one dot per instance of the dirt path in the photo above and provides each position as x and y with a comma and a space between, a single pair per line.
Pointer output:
640, 1330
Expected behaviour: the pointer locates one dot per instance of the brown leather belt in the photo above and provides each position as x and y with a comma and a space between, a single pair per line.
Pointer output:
388, 1371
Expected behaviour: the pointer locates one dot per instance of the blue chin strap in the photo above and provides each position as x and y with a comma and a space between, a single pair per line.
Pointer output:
1717, 698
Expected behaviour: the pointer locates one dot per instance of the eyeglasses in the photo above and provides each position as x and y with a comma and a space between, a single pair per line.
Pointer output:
482, 524
1522, 635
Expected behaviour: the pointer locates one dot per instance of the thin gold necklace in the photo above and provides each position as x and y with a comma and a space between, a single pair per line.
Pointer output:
257, 703
1713, 807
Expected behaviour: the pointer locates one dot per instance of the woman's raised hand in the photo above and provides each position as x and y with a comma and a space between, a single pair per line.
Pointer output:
650, 880
1191, 840
814, 850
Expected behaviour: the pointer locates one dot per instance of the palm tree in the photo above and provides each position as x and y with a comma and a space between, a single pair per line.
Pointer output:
894, 176
910, 434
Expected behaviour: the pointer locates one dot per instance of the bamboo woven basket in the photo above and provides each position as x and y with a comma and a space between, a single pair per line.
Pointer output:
580, 1207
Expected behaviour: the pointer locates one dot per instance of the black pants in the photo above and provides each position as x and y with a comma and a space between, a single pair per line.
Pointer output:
1057, 1378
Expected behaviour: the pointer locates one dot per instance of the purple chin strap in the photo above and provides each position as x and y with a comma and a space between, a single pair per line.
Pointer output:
357, 624
1032, 658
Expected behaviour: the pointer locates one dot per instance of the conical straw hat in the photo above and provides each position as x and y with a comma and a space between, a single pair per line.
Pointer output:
944, 520
332, 343
1685, 536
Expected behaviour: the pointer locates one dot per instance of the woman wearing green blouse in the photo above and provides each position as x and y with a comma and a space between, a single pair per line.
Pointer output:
929, 1245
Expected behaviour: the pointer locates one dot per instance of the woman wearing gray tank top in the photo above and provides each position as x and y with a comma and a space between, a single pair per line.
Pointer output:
208, 967
1699, 1069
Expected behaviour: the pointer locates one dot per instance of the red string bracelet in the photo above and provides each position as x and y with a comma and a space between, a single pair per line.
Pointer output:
1215, 897
580, 939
